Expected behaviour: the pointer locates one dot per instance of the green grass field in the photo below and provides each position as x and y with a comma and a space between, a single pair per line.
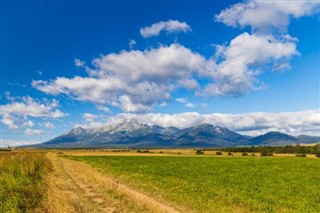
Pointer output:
22, 187
220, 184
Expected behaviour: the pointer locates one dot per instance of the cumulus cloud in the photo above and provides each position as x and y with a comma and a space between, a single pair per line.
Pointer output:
132, 80
267, 47
295, 123
266, 15
12, 113
171, 26
137, 81
242, 60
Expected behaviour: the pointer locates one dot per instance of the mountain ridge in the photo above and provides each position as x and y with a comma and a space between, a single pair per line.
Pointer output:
134, 134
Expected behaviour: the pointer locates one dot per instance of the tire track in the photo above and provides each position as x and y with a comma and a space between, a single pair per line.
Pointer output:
107, 194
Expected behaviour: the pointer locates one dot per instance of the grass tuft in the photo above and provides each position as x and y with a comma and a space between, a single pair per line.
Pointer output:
22, 181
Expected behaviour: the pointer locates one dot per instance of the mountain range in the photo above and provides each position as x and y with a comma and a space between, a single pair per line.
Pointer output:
137, 135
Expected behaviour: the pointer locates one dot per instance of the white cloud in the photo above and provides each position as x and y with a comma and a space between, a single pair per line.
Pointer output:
243, 60
190, 84
128, 106
132, 80
182, 100
13, 143
266, 15
137, 81
8, 96
9, 121
295, 123
189, 105
90, 125
28, 124
89, 117
103, 108
79, 63
132, 42
82, 88
171, 26
33, 131
174, 62
28, 107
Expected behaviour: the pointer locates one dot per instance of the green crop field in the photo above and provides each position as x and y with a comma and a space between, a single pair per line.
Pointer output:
220, 184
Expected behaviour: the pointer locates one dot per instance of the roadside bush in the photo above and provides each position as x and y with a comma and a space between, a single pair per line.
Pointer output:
230, 153
244, 154
199, 152
317, 150
265, 152
301, 155
218, 153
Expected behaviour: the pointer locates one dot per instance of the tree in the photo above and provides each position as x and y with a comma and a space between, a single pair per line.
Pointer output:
199, 152
317, 150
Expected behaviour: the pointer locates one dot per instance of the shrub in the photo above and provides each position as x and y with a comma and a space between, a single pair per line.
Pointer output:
264, 152
218, 153
199, 152
230, 153
301, 155
244, 154
317, 150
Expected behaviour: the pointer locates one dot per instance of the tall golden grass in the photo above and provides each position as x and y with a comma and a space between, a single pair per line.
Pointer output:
22, 187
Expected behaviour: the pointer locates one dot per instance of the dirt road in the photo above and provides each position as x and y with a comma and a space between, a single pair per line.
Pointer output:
76, 187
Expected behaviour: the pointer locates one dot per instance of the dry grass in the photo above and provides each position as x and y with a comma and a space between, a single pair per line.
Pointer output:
77, 187
22, 176
62, 195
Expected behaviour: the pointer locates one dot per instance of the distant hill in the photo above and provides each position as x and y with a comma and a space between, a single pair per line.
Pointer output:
273, 138
134, 134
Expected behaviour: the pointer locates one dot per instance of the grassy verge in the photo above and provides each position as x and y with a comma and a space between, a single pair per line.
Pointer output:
22, 187
229, 184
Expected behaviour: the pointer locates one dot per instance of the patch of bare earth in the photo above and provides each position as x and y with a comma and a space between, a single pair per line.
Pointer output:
77, 187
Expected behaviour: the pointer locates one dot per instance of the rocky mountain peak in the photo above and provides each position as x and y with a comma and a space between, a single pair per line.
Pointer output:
77, 131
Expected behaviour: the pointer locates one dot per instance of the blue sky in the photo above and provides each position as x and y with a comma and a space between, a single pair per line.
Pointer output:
250, 66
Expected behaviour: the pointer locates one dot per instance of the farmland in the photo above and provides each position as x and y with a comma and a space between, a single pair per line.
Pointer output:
219, 184
163, 180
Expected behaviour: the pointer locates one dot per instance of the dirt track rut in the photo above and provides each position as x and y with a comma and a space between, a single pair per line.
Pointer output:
100, 193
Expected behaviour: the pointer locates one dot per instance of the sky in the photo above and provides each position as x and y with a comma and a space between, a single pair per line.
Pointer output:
251, 66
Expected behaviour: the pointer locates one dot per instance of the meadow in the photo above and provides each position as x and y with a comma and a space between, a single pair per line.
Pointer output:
22, 177
219, 184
